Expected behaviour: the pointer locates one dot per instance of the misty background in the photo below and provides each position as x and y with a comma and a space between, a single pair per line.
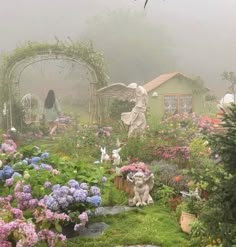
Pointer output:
195, 37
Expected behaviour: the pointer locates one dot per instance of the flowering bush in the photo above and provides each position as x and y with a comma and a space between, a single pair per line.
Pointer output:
178, 154
133, 168
62, 197
14, 228
8, 146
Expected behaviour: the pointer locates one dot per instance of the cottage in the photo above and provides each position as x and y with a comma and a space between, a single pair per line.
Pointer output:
174, 93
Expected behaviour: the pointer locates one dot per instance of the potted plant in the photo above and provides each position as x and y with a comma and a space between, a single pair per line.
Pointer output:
188, 212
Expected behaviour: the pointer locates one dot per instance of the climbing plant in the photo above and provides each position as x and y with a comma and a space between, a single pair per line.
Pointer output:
74, 51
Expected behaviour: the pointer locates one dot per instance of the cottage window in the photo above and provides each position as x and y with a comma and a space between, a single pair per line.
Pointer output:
174, 104
171, 104
185, 103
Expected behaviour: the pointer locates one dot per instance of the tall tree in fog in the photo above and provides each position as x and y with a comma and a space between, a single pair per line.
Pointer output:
135, 50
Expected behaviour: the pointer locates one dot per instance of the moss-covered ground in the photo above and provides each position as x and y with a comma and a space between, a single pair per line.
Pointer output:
154, 224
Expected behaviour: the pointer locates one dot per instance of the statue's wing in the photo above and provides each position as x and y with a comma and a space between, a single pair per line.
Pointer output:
118, 90
150, 181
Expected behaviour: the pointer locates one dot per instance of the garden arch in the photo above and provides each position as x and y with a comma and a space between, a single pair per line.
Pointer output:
22, 57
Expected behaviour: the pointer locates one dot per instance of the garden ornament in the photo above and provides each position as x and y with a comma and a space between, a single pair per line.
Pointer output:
104, 156
116, 157
194, 193
142, 186
136, 119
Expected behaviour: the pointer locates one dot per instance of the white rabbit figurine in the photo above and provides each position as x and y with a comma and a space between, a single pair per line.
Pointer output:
104, 156
116, 157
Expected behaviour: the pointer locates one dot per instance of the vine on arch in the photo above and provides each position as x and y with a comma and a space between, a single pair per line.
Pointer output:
76, 51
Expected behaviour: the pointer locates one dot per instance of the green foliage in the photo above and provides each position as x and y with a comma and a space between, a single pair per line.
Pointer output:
119, 106
199, 151
190, 205
112, 197
137, 148
162, 193
219, 216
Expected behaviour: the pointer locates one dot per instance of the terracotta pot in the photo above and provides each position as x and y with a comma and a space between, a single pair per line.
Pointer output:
186, 219
123, 185
117, 182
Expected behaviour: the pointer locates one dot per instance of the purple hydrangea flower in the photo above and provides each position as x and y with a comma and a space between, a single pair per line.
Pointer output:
83, 186
9, 182
47, 184
56, 187
63, 191
95, 190
73, 183
69, 198
80, 195
26, 196
27, 188
46, 167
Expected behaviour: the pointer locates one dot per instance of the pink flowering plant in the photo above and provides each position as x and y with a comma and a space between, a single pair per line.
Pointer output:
178, 154
16, 230
133, 168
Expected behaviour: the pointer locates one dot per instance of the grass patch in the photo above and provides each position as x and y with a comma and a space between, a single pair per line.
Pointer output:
149, 225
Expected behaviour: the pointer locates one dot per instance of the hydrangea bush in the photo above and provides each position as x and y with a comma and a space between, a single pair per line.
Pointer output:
16, 230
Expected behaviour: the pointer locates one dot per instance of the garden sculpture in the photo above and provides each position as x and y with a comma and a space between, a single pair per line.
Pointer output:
226, 101
32, 108
104, 156
116, 157
136, 119
143, 184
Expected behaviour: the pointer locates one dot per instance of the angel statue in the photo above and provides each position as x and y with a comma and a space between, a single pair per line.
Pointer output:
136, 119
143, 184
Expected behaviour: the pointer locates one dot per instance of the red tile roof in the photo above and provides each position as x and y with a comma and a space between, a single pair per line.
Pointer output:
161, 79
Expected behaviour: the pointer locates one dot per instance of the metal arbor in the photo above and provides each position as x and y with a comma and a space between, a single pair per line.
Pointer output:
31, 53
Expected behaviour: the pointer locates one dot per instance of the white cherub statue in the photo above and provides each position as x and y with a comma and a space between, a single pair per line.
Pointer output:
136, 119
142, 186
104, 156
116, 157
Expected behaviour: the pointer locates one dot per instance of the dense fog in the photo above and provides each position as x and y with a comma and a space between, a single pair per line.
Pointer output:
194, 37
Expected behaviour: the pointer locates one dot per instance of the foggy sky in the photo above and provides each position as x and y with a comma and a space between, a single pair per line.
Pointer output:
203, 31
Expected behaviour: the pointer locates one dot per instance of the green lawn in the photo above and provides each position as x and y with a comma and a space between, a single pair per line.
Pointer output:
150, 225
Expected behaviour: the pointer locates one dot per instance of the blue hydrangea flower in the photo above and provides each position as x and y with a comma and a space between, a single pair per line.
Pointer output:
1, 175
44, 155
95, 200
7, 172
16, 174
35, 160
80, 195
